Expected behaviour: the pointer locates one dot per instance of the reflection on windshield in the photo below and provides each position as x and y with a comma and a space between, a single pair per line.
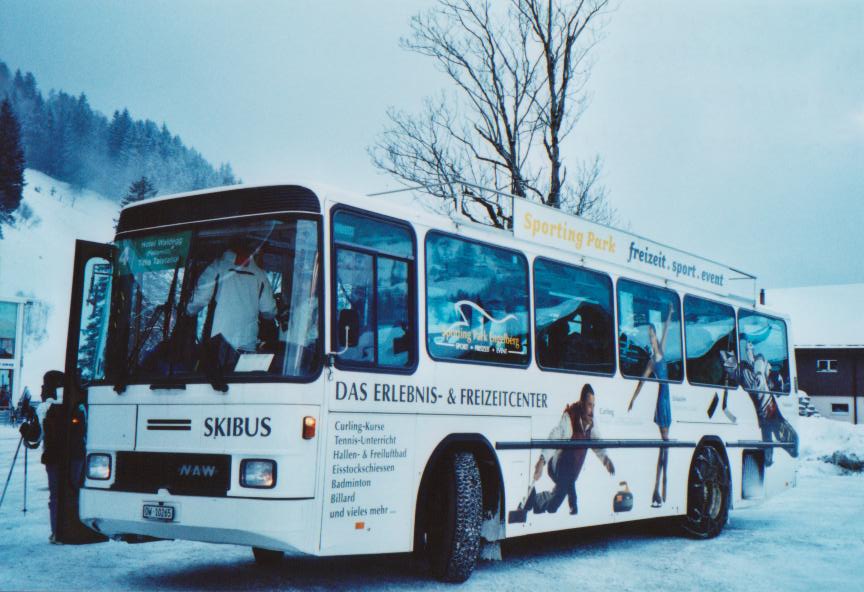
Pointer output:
238, 299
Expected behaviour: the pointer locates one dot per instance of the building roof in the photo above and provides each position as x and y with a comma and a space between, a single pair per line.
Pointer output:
822, 316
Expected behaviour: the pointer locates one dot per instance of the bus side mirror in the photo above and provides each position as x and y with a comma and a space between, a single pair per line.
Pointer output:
348, 328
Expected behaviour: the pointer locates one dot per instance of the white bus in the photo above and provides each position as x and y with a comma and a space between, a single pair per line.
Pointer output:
306, 371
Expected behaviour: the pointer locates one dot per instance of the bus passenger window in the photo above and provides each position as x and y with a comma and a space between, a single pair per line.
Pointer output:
374, 277
573, 318
649, 326
709, 331
355, 291
764, 352
394, 333
476, 302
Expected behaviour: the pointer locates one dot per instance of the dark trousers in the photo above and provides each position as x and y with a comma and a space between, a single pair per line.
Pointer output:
75, 475
53, 487
563, 469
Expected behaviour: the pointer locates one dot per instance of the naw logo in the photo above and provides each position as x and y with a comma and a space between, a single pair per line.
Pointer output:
197, 471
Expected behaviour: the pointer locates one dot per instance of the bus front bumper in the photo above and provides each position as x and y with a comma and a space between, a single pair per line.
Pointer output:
280, 524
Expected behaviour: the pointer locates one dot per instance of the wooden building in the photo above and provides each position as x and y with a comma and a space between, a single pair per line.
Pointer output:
828, 335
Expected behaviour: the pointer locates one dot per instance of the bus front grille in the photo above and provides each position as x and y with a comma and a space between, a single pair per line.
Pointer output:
180, 474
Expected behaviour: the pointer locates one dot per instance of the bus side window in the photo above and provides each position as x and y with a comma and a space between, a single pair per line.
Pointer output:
374, 275
477, 305
573, 318
709, 331
764, 353
649, 326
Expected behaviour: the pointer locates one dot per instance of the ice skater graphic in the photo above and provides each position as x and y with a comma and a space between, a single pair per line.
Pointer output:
657, 368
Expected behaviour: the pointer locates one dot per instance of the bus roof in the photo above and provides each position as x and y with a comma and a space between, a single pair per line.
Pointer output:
550, 227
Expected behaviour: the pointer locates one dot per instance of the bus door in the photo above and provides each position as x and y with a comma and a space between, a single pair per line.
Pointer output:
85, 363
368, 496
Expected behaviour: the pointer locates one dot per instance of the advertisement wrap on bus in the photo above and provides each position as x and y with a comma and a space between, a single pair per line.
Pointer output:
311, 372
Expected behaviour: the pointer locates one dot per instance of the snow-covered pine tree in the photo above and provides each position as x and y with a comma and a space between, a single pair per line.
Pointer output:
118, 129
138, 190
11, 163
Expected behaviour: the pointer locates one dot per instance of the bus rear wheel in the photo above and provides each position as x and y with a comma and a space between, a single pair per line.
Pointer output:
707, 495
448, 535
267, 556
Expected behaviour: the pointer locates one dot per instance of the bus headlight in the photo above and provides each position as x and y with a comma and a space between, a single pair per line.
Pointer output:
258, 473
99, 466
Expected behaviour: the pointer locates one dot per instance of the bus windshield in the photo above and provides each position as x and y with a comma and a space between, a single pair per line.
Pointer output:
217, 302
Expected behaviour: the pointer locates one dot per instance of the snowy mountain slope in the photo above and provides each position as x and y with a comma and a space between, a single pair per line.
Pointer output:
36, 262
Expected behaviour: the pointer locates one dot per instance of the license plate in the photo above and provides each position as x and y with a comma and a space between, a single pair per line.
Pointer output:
160, 513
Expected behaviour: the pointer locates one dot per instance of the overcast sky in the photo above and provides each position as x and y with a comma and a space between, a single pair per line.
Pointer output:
734, 129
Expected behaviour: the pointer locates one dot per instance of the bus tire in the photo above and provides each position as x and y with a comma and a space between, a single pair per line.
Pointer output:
453, 515
708, 492
267, 556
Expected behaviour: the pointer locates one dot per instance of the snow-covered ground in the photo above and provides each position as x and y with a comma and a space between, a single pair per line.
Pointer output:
806, 539
36, 259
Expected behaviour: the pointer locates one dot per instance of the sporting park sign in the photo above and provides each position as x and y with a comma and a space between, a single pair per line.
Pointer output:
547, 226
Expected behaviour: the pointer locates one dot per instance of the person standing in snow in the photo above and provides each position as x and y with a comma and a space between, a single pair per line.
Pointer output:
565, 464
50, 425
240, 292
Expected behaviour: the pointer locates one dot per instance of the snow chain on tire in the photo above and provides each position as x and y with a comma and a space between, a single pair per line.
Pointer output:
456, 544
708, 493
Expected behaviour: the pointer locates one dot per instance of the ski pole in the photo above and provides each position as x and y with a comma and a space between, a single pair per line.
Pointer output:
14, 458
26, 450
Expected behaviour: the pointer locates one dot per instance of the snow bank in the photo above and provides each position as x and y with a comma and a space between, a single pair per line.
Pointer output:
36, 262
839, 444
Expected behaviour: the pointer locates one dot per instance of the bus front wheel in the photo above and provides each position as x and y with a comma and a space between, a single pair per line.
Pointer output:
448, 538
707, 494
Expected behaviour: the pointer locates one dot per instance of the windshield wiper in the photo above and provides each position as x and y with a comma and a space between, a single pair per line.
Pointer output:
169, 303
166, 309
120, 386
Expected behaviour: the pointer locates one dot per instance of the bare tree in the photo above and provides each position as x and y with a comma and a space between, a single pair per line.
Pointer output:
519, 75
587, 197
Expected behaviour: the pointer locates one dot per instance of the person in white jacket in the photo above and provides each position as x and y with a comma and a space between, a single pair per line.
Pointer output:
565, 464
241, 292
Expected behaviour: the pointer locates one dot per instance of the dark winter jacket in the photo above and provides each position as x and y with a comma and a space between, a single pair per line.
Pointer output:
56, 428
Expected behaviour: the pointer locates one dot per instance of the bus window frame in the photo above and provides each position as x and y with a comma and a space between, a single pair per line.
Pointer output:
684, 335
230, 378
618, 332
613, 325
530, 357
789, 358
373, 368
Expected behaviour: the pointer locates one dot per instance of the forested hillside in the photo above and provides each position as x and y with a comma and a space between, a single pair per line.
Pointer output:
65, 138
